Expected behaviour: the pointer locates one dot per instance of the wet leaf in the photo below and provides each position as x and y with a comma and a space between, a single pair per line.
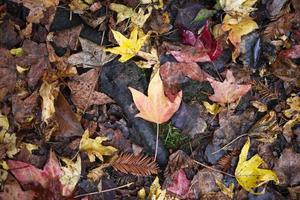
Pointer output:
127, 48
138, 18
94, 147
83, 91
67, 38
155, 107
229, 90
248, 174
213, 108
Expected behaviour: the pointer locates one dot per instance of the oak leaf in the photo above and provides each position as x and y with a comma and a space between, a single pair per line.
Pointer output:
128, 47
156, 107
94, 147
229, 90
248, 174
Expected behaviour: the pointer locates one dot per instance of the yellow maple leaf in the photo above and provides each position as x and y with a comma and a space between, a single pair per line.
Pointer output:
248, 174
48, 92
70, 175
127, 48
94, 147
137, 18
156, 107
237, 27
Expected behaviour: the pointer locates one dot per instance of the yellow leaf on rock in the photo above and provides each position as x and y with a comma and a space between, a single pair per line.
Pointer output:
70, 175
237, 27
127, 48
94, 147
137, 18
248, 174
155, 107
48, 92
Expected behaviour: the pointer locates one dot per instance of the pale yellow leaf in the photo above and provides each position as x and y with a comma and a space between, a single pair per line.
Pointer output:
29, 147
241, 7
94, 147
228, 191
212, 108
247, 173
48, 92
17, 52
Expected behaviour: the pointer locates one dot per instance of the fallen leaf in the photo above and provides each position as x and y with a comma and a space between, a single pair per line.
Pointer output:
13, 191
204, 14
191, 54
248, 174
30, 147
228, 91
261, 107
91, 56
48, 92
228, 191
237, 27
37, 8
83, 91
78, 6
70, 175
293, 52
180, 185
156, 193
127, 48
67, 38
94, 147
156, 107
241, 7
138, 18
17, 52
97, 173
212, 108
288, 167
172, 73
293, 113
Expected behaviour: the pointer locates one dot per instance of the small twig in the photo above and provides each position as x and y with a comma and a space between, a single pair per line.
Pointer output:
103, 191
156, 144
206, 166
225, 147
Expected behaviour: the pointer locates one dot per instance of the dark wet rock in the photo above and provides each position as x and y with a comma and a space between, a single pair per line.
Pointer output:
212, 157
114, 81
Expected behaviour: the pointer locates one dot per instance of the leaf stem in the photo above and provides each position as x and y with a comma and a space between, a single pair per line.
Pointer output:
156, 144
225, 147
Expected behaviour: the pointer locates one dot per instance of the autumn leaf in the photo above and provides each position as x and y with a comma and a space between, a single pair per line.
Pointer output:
48, 92
137, 18
293, 113
28, 174
94, 147
13, 191
156, 107
228, 91
70, 175
212, 108
241, 7
248, 174
237, 27
156, 193
128, 47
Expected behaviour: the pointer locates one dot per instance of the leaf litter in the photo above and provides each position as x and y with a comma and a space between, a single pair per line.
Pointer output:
141, 99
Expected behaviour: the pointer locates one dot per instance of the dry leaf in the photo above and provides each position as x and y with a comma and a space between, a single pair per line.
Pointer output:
248, 174
48, 92
29, 147
293, 113
78, 6
156, 193
70, 175
228, 91
91, 56
241, 7
212, 108
237, 27
97, 173
228, 191
83, 91
127, 48
155, 107
137, 18
13, 191
94, 147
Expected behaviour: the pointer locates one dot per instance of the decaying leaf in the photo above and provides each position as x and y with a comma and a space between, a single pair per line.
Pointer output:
248, 174
138, 18
70, 175
228, 91
127, 48
13, 191
83, 91
94, 147
156, 193
91, 56
97, 173
48, 92
30, 147
293, 113
241, 7
228, 191
180, 185
155, 107
237, 27
78, 6
212, 108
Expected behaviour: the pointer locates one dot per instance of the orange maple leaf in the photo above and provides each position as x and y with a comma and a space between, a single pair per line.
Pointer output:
155, 107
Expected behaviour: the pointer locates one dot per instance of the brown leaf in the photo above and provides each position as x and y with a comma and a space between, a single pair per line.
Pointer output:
172, 73
178, 160
228, 91
191, 54
8, 34
13, 191
67, 38
83, 90
288, 168
137, 165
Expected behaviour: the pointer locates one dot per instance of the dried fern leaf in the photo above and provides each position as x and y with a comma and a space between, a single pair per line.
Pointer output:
139, 165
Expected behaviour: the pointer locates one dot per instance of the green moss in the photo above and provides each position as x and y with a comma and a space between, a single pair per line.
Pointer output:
172, 136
